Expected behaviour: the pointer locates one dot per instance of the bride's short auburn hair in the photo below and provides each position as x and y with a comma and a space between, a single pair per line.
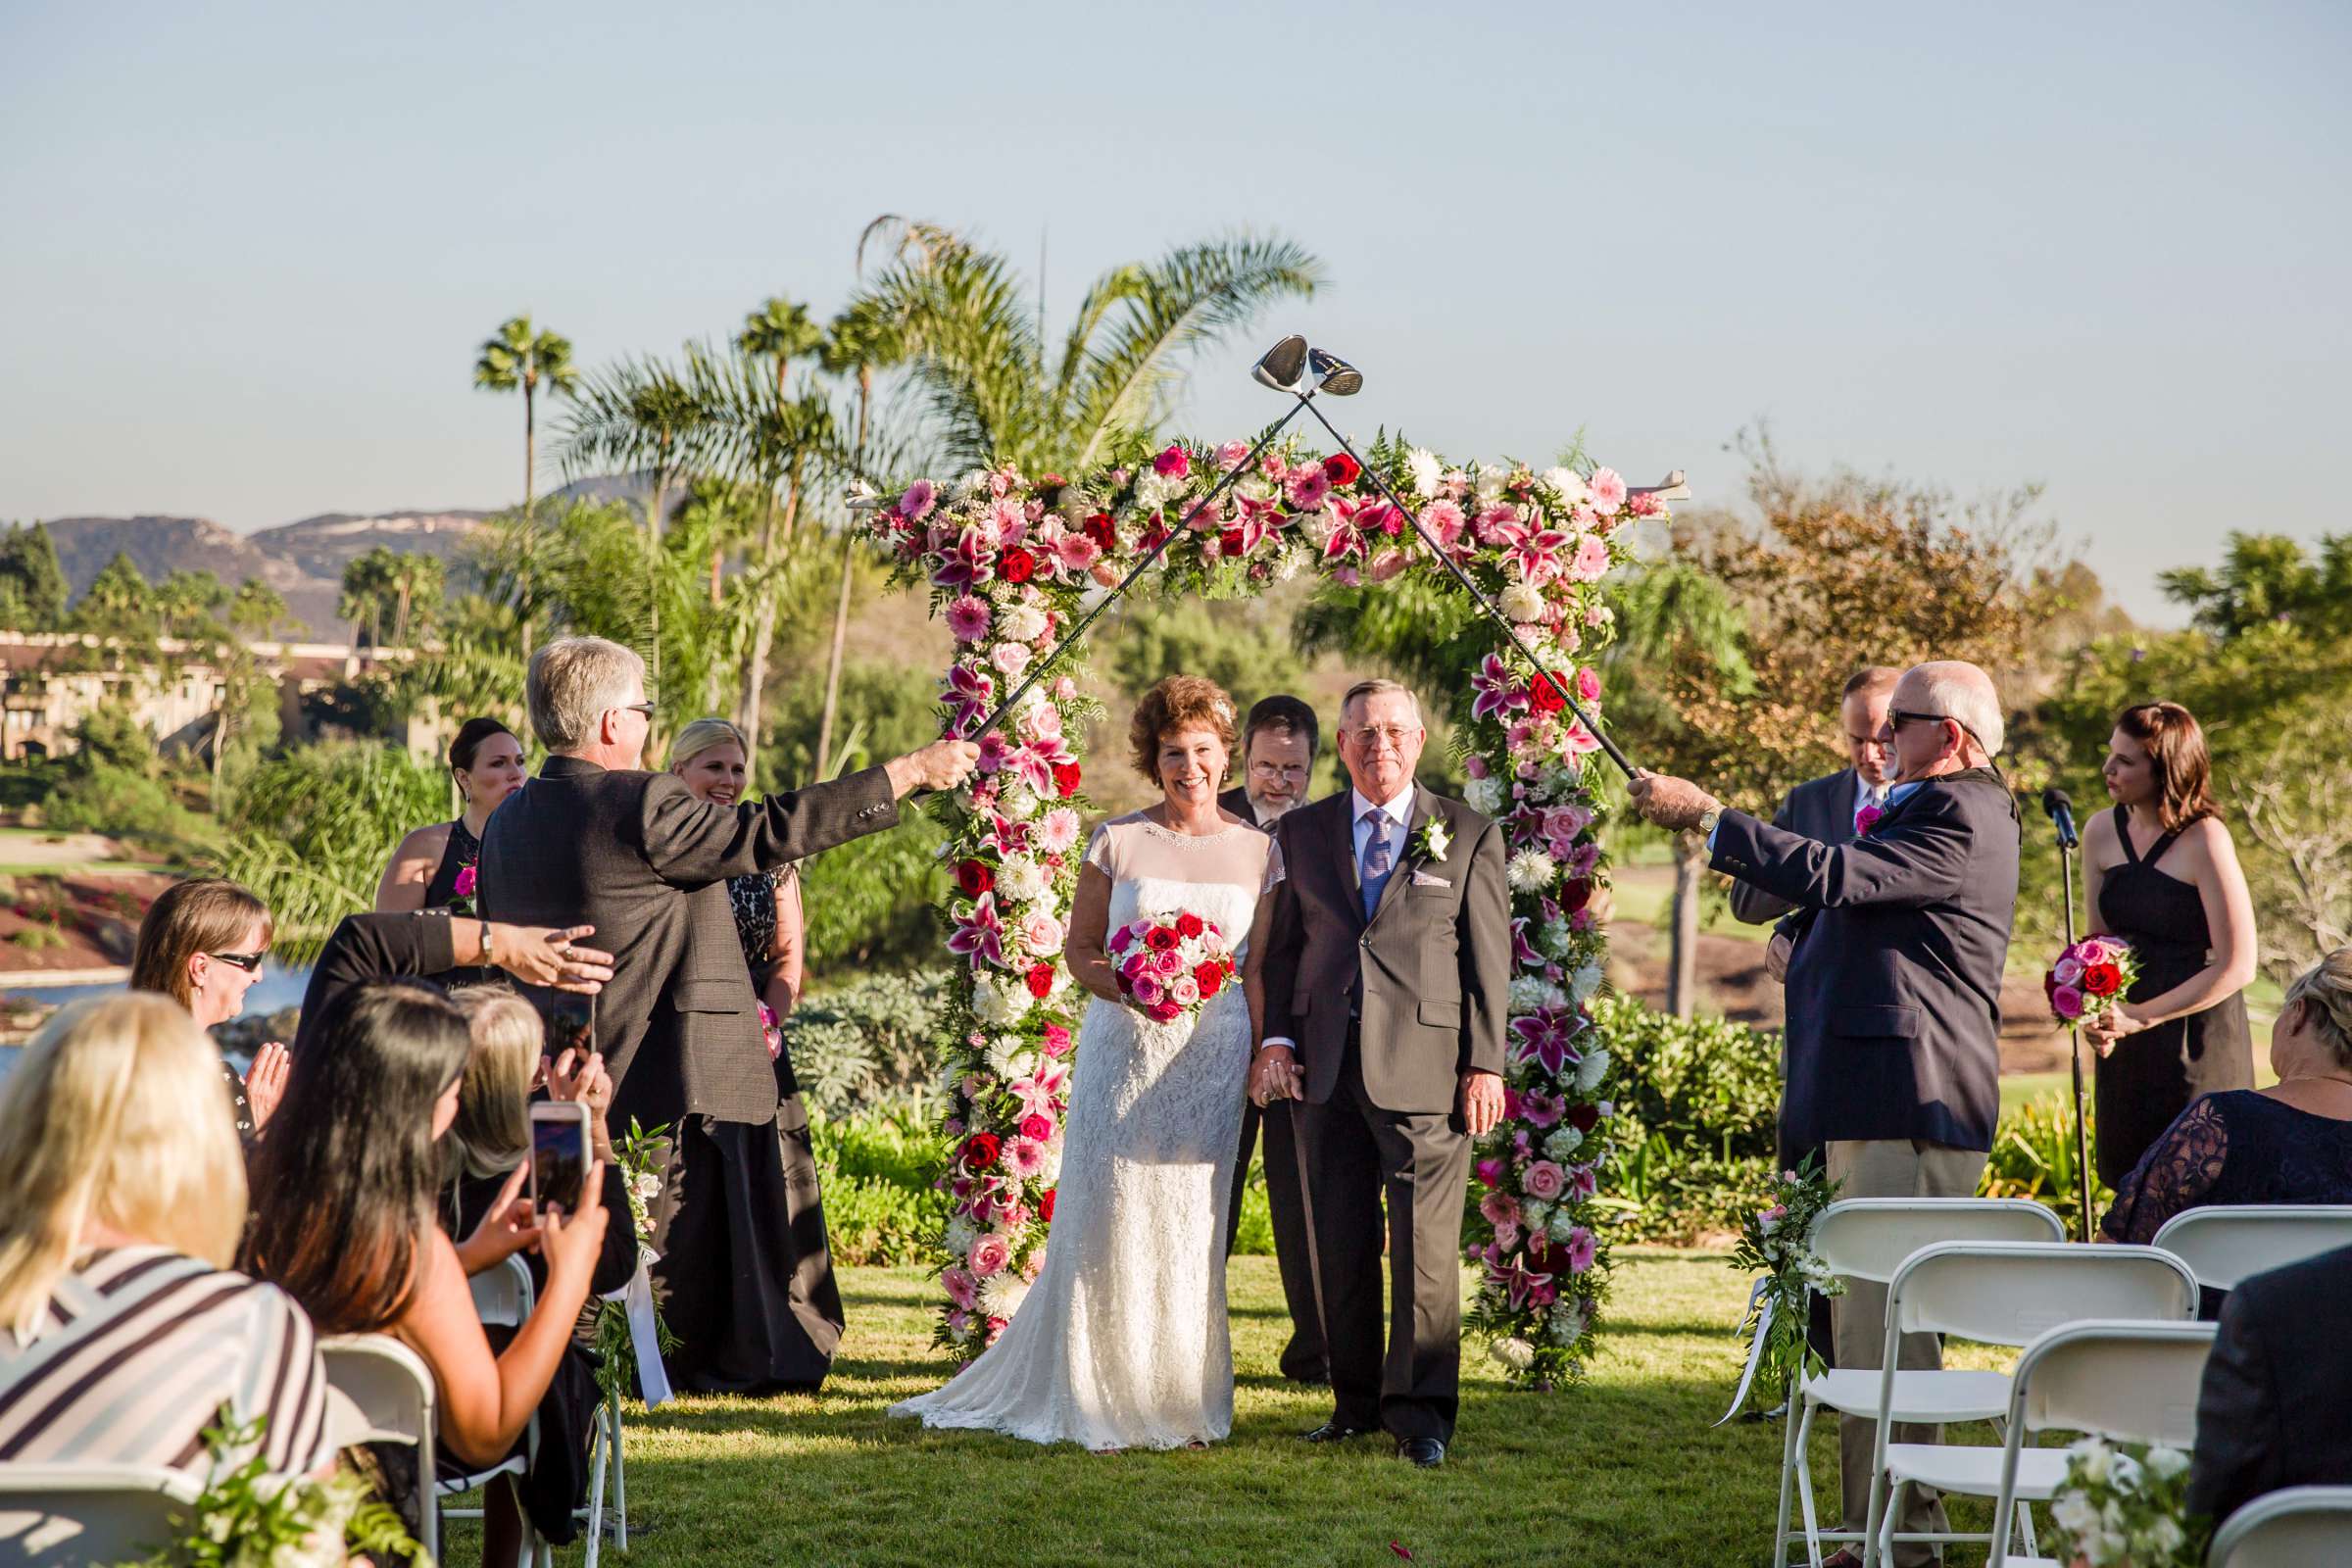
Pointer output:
1178, 703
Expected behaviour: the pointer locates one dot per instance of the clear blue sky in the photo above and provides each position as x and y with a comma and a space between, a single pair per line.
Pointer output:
250, 248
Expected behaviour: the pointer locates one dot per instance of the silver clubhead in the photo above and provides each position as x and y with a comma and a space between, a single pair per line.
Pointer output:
1282, 366
1336, 375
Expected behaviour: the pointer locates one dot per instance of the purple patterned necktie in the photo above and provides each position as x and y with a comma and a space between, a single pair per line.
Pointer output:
1380, 857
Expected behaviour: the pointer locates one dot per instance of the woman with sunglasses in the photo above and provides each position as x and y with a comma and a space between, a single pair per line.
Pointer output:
202, 945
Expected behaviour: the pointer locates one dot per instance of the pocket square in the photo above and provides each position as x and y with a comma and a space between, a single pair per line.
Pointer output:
1430, 879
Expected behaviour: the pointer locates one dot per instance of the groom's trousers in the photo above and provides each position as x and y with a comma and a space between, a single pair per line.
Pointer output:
1303, 1359
1355, 1156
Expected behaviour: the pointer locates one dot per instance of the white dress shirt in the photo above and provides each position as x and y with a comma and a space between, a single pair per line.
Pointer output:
1401, 812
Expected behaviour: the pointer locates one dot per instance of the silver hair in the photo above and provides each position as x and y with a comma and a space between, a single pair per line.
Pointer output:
1953, 689
1374, 688
573, 682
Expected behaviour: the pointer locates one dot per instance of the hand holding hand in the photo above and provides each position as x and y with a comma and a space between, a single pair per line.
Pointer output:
266, 1081
2109, 1028
1481, 1102
1776, 956
1669, 802
1276, 1075
507, 1227
545, 956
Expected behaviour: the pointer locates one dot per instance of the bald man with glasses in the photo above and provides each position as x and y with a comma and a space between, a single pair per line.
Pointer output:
1894, 995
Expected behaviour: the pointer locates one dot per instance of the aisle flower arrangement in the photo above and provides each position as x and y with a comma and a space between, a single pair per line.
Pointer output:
1009, 559
1776, 1243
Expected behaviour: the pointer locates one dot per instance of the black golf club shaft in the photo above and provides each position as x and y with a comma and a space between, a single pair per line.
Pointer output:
1038, 672
1463, 577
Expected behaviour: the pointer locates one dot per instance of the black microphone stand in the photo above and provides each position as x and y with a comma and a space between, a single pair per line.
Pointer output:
2067, 844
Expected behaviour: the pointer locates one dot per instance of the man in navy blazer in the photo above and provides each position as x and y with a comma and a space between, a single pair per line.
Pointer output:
1895, 990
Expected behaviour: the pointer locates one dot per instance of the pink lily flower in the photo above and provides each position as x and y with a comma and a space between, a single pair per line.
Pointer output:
979, 936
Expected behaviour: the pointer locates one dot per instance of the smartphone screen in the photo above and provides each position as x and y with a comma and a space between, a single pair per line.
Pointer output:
571, 1024
559, 1155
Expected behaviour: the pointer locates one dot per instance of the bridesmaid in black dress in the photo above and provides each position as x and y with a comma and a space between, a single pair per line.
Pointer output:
433, 866
779, 1325
2160, 872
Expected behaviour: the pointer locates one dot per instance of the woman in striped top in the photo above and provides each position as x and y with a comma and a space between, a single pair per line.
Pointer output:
123, 1333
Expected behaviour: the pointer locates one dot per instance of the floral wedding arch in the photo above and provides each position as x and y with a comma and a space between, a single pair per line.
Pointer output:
1009, 560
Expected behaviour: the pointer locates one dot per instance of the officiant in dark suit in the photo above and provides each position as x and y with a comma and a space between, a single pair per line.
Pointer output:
1895, 990
1387, 980
593, 839
1826, 810
1278, 762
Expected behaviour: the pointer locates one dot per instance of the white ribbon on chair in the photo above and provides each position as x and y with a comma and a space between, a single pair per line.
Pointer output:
637, 1300
1755, 1347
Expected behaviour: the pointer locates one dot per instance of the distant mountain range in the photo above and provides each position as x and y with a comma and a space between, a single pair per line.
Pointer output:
303, 560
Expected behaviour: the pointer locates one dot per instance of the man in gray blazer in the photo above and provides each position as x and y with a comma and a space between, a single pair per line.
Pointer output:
1278, 759
1895, 988
1386, 978
596, 841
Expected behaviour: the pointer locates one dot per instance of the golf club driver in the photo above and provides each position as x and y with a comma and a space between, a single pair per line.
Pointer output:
1342, 380
1281, 368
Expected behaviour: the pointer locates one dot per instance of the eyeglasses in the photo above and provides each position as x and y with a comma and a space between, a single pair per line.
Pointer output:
1271, 771
1393, 735
250, 962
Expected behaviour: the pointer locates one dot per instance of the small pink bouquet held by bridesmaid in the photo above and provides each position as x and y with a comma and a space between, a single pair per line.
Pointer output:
1168, 965
2089, 978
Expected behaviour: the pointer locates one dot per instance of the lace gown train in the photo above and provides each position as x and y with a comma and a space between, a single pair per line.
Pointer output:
1123, 1341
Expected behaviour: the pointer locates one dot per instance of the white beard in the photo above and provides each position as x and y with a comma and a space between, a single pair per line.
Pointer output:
1269, 813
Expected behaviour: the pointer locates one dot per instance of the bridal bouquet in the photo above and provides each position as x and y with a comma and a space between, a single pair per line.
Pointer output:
1168, 965
2091, 977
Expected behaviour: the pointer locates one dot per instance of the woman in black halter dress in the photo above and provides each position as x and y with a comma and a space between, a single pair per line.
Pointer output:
2161, 873
433, 867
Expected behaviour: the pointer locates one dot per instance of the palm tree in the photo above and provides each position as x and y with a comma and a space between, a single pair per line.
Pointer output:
858, 344
367, 585
780, 330
514, 357
994, 390
257, 610
636, 415
416, 580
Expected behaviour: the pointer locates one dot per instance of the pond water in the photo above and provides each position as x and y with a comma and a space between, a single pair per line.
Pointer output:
278, 987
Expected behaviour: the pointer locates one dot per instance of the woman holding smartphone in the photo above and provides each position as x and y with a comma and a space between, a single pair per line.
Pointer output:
344, 1195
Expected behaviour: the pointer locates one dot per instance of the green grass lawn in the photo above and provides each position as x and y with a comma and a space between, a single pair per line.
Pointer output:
1624, 1470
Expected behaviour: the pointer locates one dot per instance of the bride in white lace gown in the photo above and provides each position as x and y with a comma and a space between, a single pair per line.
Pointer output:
1123, 1341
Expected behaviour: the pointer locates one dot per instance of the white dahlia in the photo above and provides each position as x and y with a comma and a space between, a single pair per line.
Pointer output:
1427, 471
999, 1006
1002, 1295
1019, 880
1521, 601
1530, 871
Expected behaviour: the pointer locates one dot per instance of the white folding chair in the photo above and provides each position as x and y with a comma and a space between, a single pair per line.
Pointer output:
2008, 1293
379, 1391
1868, 1239
504, 1297
2293, 1527
603, 1458
52, 1515
2129, 1382
2226, 1244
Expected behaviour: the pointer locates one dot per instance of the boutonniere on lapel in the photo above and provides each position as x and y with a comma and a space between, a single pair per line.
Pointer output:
1868, 817
1430, 843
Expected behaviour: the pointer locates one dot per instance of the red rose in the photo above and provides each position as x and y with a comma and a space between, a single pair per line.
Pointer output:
1017, 566
974, 878
1545, 696
1211, 977
1101, 530
1341, 468
1576, 893
1037, 1127
1161, 938
1044, 1205
980, 1150
1065, 779
1188, 925
1041, 980
1229, 542
2102, 979
1584, 1117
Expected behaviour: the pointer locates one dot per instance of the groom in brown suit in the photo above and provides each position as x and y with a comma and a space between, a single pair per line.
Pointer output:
1387, 981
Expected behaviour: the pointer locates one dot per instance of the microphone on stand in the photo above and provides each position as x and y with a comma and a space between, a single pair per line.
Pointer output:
2060, 808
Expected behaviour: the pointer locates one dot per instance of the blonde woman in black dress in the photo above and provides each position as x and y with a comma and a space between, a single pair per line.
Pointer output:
784, 1317
2161, 872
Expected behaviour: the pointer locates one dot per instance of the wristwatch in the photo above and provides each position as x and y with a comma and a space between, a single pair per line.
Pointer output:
1707, 820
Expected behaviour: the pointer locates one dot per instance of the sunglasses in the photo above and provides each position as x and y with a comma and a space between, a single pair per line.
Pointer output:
1897, 719
250, 962
647, 709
